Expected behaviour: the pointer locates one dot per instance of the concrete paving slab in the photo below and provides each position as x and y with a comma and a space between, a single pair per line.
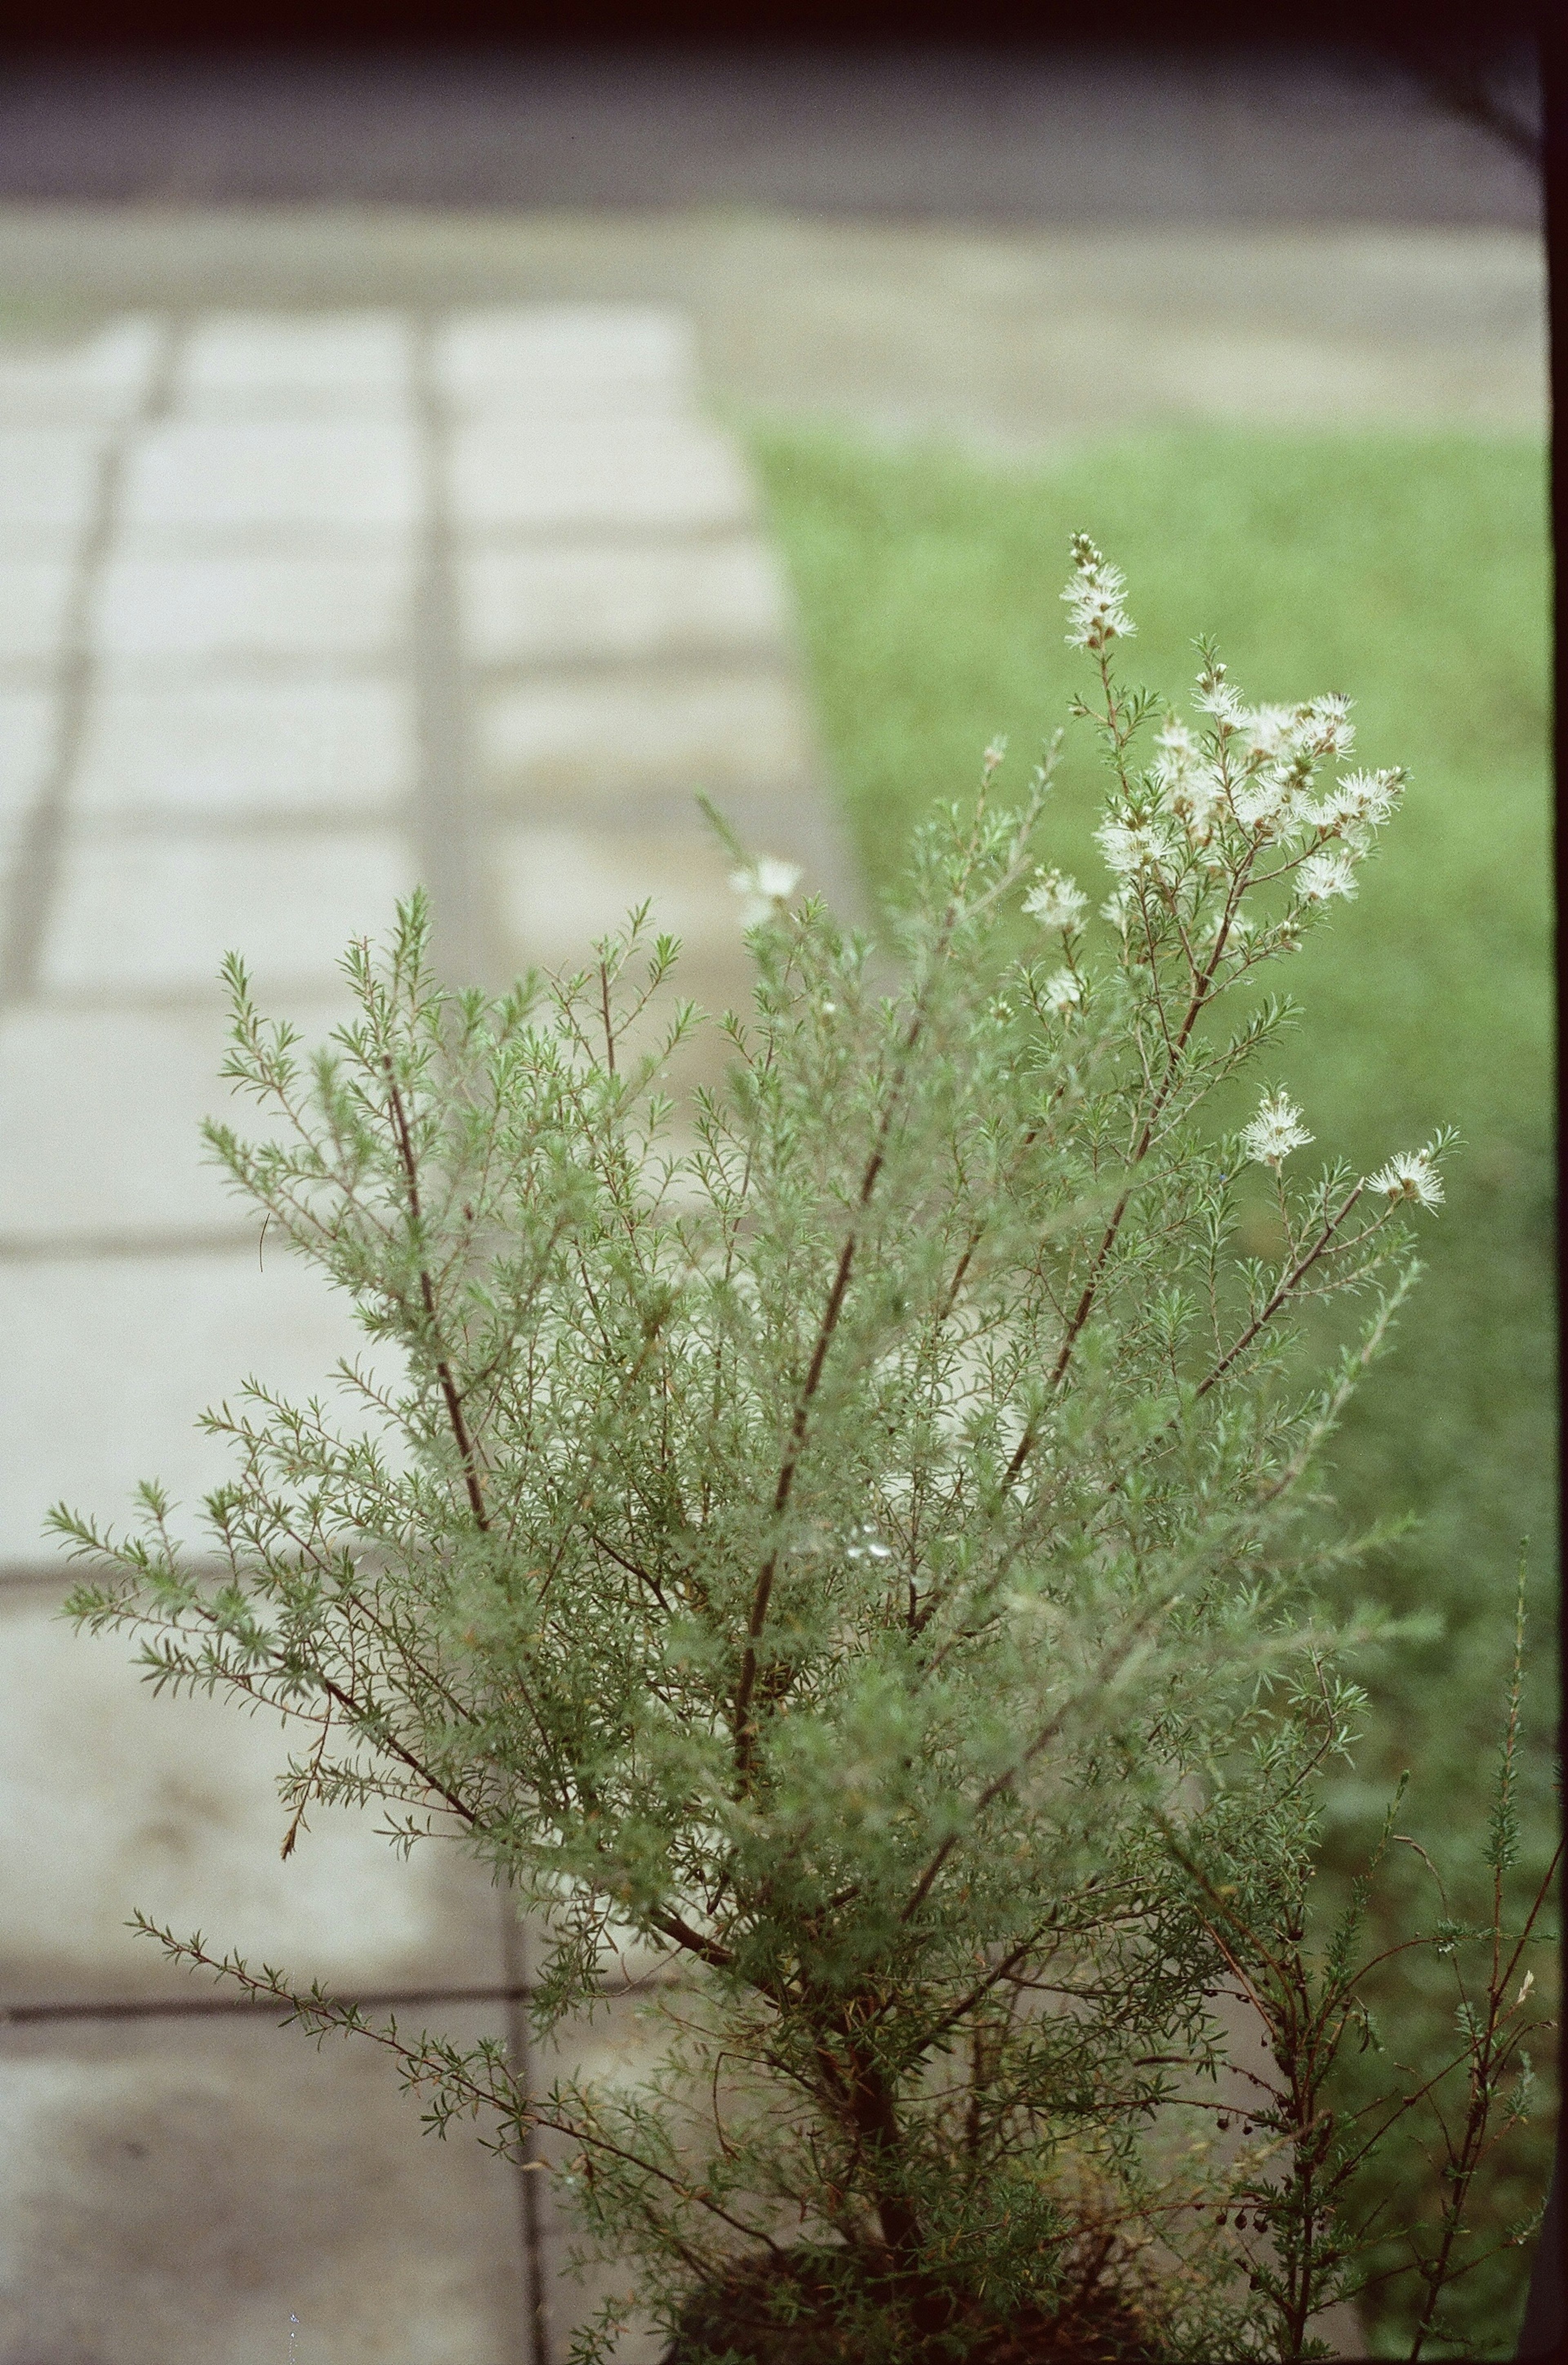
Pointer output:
110, 1360
236, 364
223, 2194
327, 475
622, 738
196, 609
562, 887
603, 475
292, 746
574, 358
102, 376
614, 2048
100, 1111
637, 603
35, 597
172, 1808
156, 914
49, 482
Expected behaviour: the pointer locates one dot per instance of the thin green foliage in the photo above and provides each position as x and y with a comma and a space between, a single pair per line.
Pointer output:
853, 1541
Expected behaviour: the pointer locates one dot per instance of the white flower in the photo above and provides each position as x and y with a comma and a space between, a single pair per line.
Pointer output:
1055, 902
1328, 872
1410, 1175
1131, 847
1359, 802
1188, 787
1275, 1131
1215, 695
1329, 731
1264, 803
766, 884
1063, 993
1271, 730
1093, 600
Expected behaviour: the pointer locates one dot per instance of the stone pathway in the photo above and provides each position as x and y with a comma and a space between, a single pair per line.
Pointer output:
294, 610
1015, 339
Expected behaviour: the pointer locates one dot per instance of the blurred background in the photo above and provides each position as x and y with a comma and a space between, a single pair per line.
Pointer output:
439, 462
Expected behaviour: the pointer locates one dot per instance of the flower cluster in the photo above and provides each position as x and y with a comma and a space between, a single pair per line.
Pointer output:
1225, 810
1275, 1131
1093, 600
1410, 1175
1056, 902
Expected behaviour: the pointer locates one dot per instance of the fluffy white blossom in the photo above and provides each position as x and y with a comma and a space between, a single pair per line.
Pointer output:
1131, 847
1266, 803
1410, 1175
1328, 872
1057, 902
1093, 600
1359, 804
1330, 731
1275, 1131
1063, 993
766, 885
1189, 786
1271, 730
1215, 695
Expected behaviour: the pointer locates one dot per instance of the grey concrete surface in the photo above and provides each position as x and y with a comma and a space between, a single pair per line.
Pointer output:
1015, 339
216, 2193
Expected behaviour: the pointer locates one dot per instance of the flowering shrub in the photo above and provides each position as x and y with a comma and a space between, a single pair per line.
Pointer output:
855, 1550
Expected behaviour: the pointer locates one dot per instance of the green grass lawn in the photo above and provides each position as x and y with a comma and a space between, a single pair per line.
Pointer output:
1411, 573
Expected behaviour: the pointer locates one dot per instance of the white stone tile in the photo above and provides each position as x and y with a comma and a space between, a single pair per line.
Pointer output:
156, 914
616, 2048
109, 1361
283, 364
228, 2193
539, 607
300, 745
28, 726
325, 475
35, 597
568, 358
116, 1800
195, 609
102, 376
101, 1111
49, 482
688, 732
562, 887
611, 475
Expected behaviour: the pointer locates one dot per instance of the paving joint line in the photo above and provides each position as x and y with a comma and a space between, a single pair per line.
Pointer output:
444, 830
74, 675
444, 819
519, 1992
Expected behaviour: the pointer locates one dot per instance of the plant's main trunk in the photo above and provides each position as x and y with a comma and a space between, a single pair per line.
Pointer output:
874, 2110
875, 2114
